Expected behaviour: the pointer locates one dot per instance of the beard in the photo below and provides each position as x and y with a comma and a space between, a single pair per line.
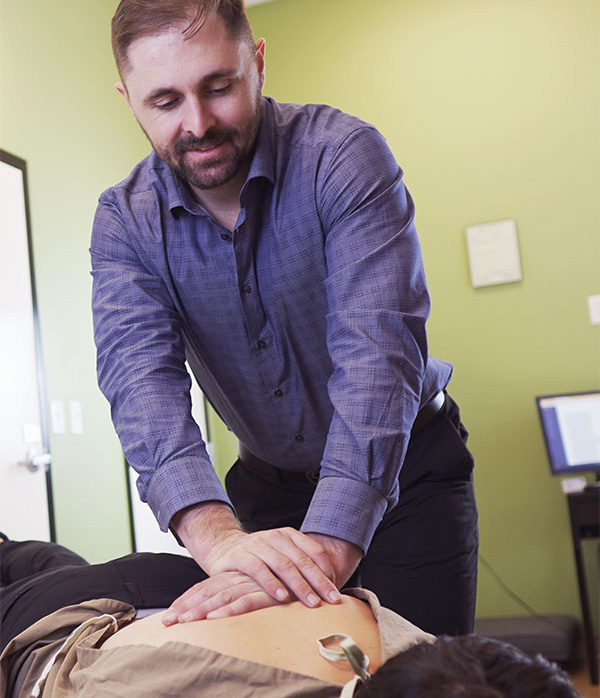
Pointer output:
237, 146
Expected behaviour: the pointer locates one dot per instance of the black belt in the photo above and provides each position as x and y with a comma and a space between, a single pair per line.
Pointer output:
424, 416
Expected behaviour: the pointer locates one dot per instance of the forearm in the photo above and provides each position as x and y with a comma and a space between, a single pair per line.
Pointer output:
203, 527
142, 372
377, 310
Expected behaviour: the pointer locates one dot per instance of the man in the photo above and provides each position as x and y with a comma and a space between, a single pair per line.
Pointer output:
273, 247
70, 629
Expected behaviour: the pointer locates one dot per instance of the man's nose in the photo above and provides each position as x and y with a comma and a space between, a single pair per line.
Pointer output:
197, 117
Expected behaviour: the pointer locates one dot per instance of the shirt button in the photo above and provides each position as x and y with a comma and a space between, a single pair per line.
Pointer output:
299, 438
262, 344
246, 288
278, 392
225, 237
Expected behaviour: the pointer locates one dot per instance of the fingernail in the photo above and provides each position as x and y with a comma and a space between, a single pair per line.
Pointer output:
313, 600
281, 594
335, 596
169, 619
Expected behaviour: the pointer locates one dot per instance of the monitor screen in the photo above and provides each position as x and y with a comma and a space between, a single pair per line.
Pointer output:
571, 426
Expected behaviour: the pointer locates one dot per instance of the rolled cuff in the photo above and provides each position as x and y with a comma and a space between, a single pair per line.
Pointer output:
346, 509
179, 484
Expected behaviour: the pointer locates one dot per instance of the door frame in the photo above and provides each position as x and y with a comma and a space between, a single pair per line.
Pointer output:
20, 164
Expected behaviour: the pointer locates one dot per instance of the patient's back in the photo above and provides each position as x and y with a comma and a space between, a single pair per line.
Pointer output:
282, 636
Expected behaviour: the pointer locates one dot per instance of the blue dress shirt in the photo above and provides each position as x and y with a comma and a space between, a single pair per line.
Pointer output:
304, 327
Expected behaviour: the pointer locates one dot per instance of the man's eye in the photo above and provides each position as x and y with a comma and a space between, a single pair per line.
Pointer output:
218, 89
165, 106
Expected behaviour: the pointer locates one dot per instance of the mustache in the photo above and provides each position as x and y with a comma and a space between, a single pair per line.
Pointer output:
210, 139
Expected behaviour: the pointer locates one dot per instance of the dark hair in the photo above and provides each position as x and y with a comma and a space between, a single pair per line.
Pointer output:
467, 667
134, 19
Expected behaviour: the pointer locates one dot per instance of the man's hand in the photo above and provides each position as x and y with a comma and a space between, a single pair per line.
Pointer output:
224, 594
230, 593
283, 562
344, 556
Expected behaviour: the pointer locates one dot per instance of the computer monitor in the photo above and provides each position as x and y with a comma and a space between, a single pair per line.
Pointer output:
571, 427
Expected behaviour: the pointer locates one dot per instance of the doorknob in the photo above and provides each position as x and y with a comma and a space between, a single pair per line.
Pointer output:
35, 460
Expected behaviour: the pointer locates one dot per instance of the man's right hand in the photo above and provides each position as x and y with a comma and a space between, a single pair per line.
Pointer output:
283, 562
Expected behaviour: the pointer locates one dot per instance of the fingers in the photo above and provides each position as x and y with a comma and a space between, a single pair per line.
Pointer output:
244, 604
251, 571
256, 561
217, 592
315, 569
316, 551
284, 561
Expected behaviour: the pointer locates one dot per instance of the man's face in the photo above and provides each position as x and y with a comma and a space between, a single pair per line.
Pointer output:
198, 101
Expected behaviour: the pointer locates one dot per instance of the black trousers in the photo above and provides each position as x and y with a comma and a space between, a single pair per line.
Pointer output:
39, 578
422, 562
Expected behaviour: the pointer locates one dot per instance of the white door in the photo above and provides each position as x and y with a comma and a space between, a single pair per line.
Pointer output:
25, 485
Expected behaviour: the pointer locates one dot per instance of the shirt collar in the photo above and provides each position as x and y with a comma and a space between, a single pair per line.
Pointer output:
262, 165
263, 160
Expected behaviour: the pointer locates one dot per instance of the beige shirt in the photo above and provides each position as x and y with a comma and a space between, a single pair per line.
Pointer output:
66, 645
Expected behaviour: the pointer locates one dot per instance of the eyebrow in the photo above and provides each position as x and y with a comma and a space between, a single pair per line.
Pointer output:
161, 92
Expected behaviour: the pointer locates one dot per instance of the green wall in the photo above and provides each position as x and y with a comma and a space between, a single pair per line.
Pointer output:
61, 113
491, 107
492, 110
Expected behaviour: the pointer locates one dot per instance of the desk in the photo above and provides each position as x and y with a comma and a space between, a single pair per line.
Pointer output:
584, 509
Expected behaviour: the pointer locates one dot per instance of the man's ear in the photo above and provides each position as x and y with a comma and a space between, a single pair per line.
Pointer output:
260, 60
122, 90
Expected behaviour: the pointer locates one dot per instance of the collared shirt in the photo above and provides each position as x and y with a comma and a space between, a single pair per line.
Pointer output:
304, 327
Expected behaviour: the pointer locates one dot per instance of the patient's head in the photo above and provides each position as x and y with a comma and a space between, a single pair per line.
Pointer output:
467, 667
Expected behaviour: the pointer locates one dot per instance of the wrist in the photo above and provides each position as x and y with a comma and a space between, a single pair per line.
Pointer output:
202, 527
344, 556
337, 545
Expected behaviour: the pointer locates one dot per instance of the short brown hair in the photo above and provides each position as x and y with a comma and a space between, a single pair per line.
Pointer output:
134, 19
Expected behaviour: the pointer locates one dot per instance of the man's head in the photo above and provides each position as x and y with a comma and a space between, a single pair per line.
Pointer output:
134, 19
192, 76
467, 667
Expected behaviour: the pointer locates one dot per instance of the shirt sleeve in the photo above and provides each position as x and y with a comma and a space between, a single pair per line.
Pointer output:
141, 367
377, 308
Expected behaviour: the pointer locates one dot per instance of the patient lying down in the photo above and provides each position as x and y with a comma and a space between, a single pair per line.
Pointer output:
95, 648
285, 637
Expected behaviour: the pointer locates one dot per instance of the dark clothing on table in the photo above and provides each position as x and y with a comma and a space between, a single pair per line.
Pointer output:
60, 578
